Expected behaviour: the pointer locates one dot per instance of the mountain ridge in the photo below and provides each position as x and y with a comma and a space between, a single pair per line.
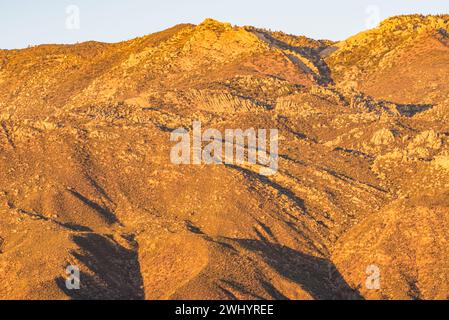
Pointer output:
363, 171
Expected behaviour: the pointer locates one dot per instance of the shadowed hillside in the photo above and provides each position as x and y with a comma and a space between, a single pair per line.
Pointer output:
86, 177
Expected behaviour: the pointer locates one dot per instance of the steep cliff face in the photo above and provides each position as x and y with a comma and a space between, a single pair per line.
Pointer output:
363, 171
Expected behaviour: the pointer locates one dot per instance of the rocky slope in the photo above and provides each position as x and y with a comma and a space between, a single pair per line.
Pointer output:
363, 178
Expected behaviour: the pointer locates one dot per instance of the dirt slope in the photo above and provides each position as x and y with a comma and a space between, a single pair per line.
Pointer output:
86, 177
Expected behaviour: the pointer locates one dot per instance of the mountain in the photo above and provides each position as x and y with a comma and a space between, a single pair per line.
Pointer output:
403, 60
363, 174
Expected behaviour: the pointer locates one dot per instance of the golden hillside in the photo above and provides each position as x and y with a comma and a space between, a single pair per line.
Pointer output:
363, 173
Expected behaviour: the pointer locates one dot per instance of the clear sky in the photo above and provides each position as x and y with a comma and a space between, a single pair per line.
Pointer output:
31, 22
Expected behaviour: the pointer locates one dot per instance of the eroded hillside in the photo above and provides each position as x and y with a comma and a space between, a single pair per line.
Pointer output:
363, 179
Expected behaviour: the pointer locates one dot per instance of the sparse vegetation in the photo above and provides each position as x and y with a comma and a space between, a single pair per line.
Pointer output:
363, 171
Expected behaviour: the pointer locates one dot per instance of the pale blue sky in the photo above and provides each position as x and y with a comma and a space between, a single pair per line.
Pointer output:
30, 22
